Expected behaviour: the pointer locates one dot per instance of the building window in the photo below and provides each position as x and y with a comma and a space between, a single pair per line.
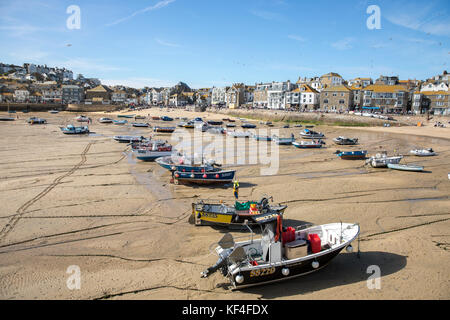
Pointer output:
325, 101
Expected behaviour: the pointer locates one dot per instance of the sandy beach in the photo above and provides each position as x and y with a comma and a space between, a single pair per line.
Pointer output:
86, 201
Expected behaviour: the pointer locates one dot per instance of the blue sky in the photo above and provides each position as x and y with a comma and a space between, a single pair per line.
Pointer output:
220, 42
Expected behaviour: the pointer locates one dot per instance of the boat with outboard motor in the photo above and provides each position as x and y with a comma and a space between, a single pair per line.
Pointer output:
82, 118
156, 150
205, 212
281, 254
345, 141
179, 162
423, 152
310, 134
71, 129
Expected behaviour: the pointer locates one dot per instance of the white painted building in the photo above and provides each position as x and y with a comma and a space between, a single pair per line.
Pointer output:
219, 95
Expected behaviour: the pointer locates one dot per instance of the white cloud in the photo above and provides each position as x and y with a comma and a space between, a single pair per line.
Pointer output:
159, 5
167, 44
297, 38
343, 44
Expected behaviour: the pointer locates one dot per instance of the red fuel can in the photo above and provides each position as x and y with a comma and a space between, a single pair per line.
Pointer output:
315, 242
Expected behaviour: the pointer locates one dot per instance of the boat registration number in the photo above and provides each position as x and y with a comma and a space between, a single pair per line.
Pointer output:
262, 272
266, 217
209, 215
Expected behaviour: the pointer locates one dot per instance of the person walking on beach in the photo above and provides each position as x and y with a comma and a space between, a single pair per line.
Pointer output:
236, 189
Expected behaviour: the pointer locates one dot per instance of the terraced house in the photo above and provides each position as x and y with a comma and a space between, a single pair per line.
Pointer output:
260, 95
331, 79
386, 98
336, 99
436, 102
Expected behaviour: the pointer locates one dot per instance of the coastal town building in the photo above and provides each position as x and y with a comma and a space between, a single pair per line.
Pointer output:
260, 95
118, 97
52, 94
21, 95
336, 99
99, 94
386, 98
387, 80
436, 102
235, 96
219, 95
331, 79
361, 82
72, 94
276, 94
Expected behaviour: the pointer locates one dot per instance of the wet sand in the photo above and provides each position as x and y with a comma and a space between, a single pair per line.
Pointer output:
85, 201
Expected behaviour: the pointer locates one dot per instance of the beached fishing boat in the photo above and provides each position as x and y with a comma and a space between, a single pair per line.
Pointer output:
140, 125
352, 155
82, 119
129, 139
283, 141
230, 125
423, 152
164, 129
308, 144
216, 130
140, 117
345, 141
128, 116
239, 134
105, 120
156, 118
309, 134
120, 122
7, 119
182, 163
404, 167
53, 111
280, 255
203, 126
70, 129
261, 138
381, 160
157, 150
214, 122
166, 118
215, 176
248, 126
35, 120
249, 212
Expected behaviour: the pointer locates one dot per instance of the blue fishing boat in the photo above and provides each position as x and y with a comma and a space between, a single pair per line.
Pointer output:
283, 141
120, 122
214, 122
262, 138
131, 116
166, 118
71, 129
216, 176
352, 155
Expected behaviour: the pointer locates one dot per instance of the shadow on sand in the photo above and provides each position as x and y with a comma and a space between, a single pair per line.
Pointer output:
345, 269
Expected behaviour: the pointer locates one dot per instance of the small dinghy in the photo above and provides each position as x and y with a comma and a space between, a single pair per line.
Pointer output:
140, 117
7, 119
216, 130
250, 212
164, 129
248, 126
34, 120
105, 120
129, 139
405, 167
381, 160
215, 176
280, 255
70, 129
239, 134
54, 111
352, 155
423, 152
120, 122
269, 124
309, 134
308, 144
283, 141
128, 116
345, 141
156, 118
140, 125
166, 118
230, 125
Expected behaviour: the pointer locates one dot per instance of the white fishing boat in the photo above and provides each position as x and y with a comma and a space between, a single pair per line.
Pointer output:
105, 120
239, 134
405, 167
381, 160
310, 134
423, 152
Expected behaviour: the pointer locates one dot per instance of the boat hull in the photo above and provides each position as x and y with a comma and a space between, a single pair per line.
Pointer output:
163, 162
214, 177
152, 155
405, 167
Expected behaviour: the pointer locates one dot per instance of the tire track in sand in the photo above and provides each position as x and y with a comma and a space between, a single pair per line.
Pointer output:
22, 210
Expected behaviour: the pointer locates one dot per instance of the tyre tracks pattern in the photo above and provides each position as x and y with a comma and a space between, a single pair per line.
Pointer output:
22, 210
